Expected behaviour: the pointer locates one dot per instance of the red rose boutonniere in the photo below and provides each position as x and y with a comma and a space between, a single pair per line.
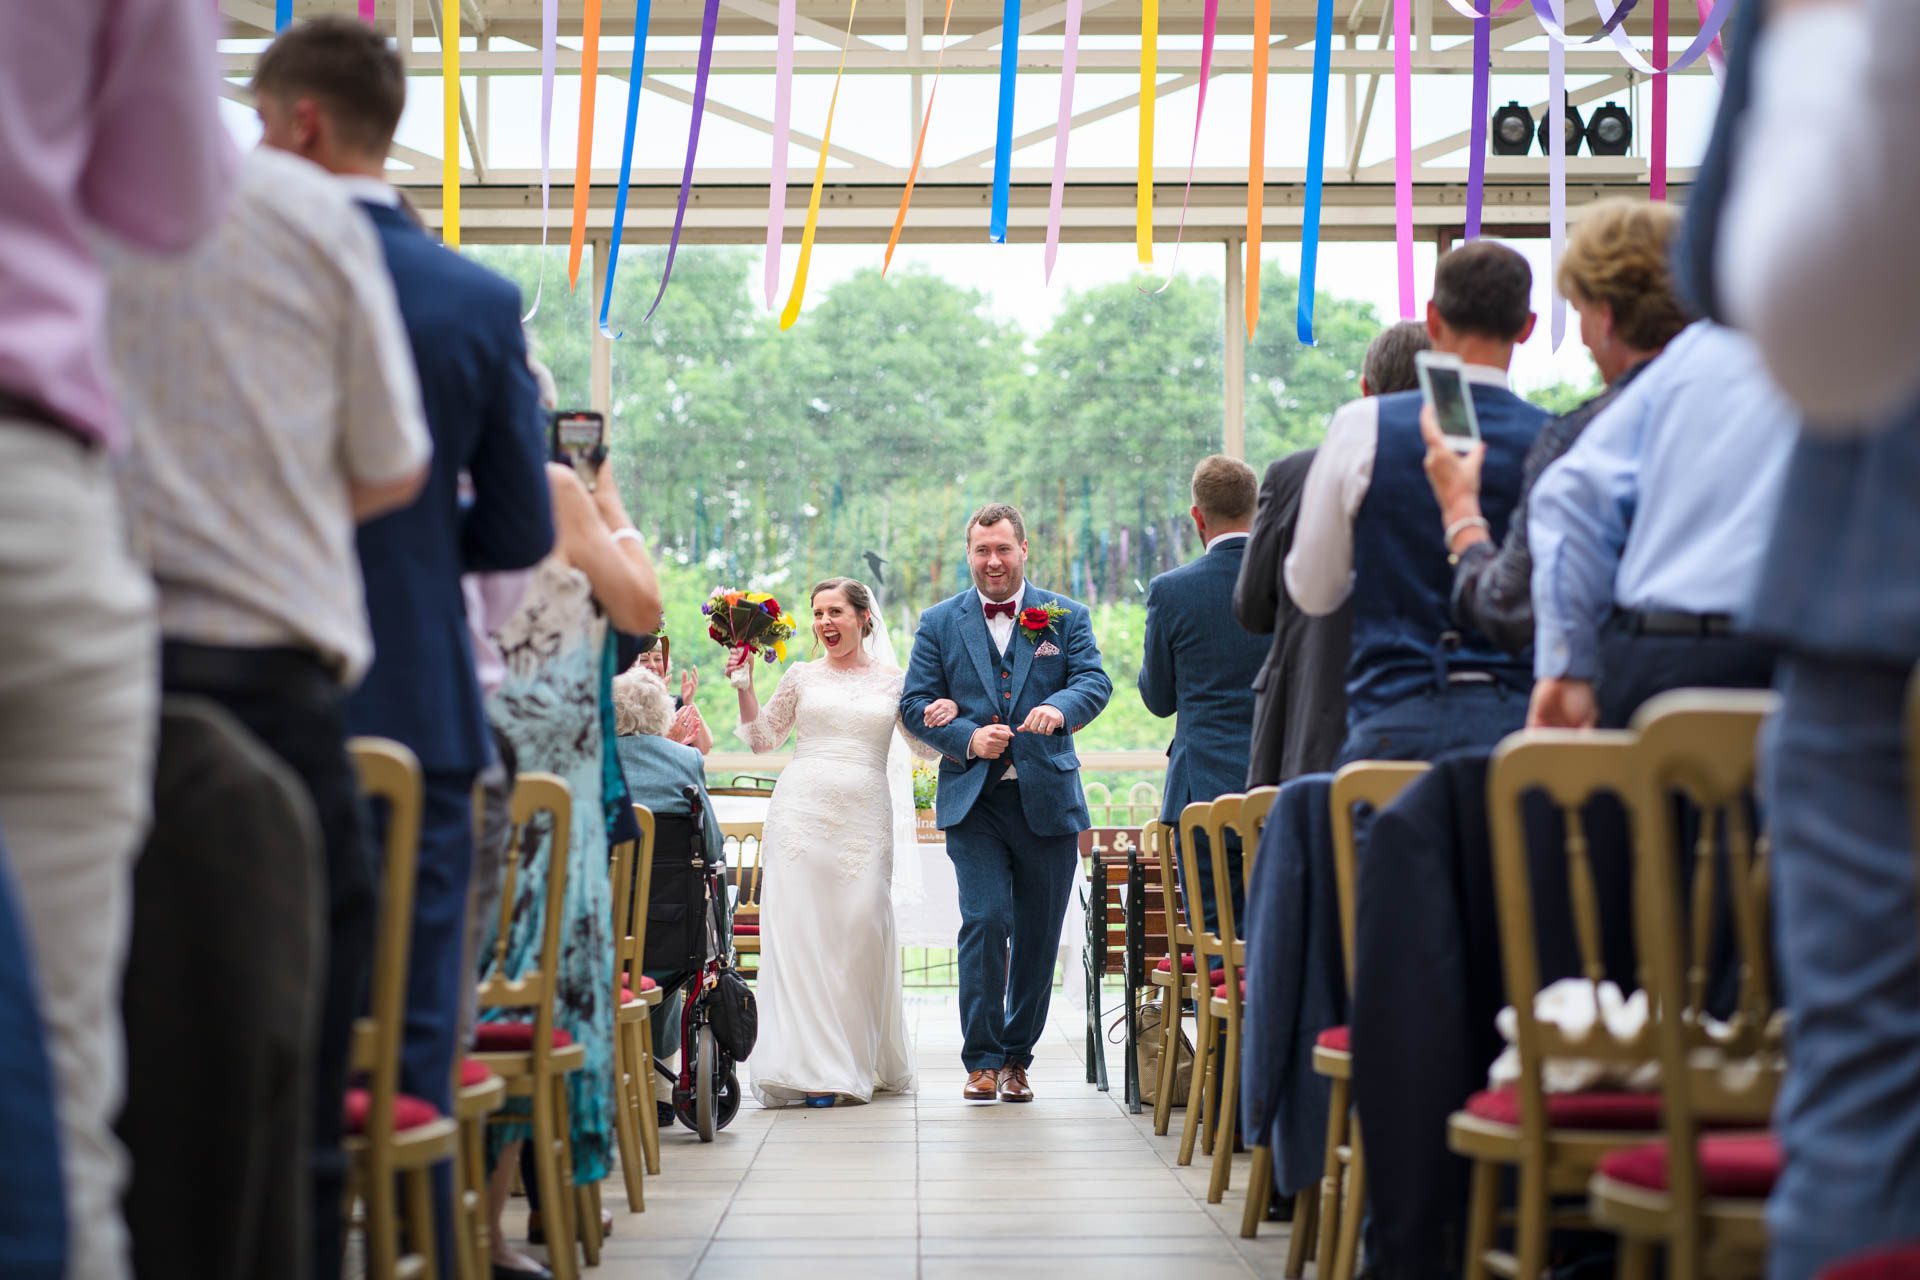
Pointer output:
1039, 619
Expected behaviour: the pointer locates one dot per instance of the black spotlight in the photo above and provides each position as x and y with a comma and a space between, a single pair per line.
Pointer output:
1609, 131
1512, 130
1576, 129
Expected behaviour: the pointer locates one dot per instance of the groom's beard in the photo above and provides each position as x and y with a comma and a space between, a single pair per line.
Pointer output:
1008, 592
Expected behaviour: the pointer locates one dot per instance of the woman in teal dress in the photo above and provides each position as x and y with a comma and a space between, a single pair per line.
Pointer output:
554, 706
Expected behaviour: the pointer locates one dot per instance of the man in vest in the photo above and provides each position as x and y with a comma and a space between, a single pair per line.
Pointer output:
1417, 685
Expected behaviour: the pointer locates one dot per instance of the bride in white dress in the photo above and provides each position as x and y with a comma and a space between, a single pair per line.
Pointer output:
832, 1023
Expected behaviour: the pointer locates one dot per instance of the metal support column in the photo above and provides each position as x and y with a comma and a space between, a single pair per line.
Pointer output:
1235, 335
601, 385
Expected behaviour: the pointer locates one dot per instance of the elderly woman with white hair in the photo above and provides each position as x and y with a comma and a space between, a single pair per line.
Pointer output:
658, 770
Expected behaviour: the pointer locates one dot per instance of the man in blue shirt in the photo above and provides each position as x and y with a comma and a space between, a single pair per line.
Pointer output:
1201, 663
1648, 535
1370, 529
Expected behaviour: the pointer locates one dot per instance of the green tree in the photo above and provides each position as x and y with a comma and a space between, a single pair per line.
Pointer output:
1293, 389
1564, 397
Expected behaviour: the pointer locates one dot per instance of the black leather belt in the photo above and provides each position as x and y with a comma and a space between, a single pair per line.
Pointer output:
299, 674
1655, 622
29, 413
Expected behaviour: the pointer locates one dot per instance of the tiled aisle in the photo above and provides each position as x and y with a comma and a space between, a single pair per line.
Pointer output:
932, 1186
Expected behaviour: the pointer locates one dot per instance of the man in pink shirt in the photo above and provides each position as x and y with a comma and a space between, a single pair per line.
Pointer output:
109, 125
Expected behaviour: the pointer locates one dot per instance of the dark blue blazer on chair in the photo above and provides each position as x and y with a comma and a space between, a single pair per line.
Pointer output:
484, 413
1202, 664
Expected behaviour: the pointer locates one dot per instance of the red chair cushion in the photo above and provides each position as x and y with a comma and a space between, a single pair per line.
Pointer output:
1186, 963
1220, 989
408, 1112
473, 1073
1901, 1262
1596, 1109
746, 931
512, 1037
1339, 1039
1731, 1164
646, 984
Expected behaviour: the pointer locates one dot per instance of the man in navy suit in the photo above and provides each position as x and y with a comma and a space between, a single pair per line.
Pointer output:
332, 90
1023, 667
1201, 663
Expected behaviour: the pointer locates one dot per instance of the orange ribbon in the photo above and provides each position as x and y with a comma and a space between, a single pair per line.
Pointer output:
906, 197
1257, 158
583, 151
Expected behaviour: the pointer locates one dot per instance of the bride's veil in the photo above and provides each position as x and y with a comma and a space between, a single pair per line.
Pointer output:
907, 887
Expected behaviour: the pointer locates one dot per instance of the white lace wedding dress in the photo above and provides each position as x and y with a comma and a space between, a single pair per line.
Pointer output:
831, 1016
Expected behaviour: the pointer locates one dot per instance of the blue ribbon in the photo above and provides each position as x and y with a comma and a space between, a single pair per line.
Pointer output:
642, 11
282, 14
1316, 167
1003, 144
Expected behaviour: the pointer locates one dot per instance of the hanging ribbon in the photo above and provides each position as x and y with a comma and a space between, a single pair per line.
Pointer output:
1208, 23
1403, 150
642, 17
1069, 61
583, 150
782, 127
1657, 153
1143, 181
920, 146
366, 11
1709, 34
1003, 142
1556, 171
709, 26
450, 108
1316, 169
282, 14
799, 293
549, 42
1477, 124
1257, 159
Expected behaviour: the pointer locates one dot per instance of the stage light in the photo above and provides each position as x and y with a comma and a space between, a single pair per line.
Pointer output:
1609, 131
1576, 129
1512, 131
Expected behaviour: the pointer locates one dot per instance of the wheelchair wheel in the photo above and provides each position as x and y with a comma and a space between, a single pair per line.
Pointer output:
704, 1084
727, 1103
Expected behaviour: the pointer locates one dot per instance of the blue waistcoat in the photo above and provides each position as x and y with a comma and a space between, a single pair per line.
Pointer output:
1402, 580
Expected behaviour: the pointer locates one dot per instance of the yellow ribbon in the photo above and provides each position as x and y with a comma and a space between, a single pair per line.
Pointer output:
450, 153
1257, 158
794, 299
1143, 186
583, 150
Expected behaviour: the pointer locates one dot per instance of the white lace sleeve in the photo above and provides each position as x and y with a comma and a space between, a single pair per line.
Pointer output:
921, 750
776, 717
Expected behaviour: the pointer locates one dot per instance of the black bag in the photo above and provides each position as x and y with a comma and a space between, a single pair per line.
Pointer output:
736, 1018
676, 907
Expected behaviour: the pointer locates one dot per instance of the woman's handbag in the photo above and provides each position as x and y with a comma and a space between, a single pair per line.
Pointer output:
1150, 1040
736, 1018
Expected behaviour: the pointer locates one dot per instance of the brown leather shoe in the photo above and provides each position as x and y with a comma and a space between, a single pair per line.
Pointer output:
1013, 1084
982, 1086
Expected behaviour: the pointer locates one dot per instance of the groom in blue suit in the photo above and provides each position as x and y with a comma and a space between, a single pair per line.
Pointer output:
1023, 667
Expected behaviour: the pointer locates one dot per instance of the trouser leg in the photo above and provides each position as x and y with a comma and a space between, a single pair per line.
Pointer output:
983, 870
1043, 868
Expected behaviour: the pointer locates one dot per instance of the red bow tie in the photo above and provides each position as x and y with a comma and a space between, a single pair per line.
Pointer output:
1005, 609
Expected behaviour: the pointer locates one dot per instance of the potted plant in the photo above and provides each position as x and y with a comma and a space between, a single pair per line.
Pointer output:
926, 784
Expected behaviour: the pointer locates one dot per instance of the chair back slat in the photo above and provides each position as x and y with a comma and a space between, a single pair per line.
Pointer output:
1585, 895
1194, 820
1226, 820
390, 773
534, 794
747, 839
1254, 812
1157, 838
1375, 784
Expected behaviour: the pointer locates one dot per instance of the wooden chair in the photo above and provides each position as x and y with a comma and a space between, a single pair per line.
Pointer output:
1553, 1141
390, 1136
1229, 819
1254, 812
477, 1094
1207, 951
534, 1058
1701, 1195
639, 995
1216, 1069
747, 838
1174, 976
1326, 1227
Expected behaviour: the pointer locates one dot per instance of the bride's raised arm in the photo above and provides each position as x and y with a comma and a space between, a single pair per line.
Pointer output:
764, 729
937, 713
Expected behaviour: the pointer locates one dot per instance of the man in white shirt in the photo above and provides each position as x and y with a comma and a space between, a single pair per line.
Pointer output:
1369, 529
273, 404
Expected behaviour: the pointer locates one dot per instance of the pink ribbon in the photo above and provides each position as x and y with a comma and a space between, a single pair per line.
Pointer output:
1556, 169
366, 11
1657, 152
1209, 21
782, 124
1403, 149
1069, 58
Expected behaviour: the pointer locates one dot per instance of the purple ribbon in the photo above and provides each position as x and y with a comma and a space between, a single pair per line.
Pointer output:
709, 24
1477, 125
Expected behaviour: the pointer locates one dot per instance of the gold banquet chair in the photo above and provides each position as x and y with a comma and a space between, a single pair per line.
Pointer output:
391, 1138
637, 1122
1701, 1195
748, 840
1175, 973
1254, 812
1229, 994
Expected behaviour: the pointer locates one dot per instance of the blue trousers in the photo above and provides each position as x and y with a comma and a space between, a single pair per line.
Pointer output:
1014, 887
33, 1204
1844, 896
1428, 725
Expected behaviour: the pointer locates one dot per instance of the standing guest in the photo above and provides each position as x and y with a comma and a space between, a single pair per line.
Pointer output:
1817, 261
332, 90
1617, 272
1649, 535
1200, 665
1300, 708
273, 403
109, 130
549, 706
1418, 686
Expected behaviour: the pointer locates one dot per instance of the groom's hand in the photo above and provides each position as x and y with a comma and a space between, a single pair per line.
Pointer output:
1043, 719
990, 741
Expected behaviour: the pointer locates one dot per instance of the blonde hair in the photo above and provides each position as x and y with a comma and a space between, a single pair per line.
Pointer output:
1621, 254
1225, 488
641, 703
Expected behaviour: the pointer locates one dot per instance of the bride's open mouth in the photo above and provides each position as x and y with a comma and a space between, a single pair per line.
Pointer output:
831, 637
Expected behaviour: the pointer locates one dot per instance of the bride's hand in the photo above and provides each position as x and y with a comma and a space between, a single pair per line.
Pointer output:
940, 712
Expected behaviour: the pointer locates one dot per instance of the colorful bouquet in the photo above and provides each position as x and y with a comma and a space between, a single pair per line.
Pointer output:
751, 624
